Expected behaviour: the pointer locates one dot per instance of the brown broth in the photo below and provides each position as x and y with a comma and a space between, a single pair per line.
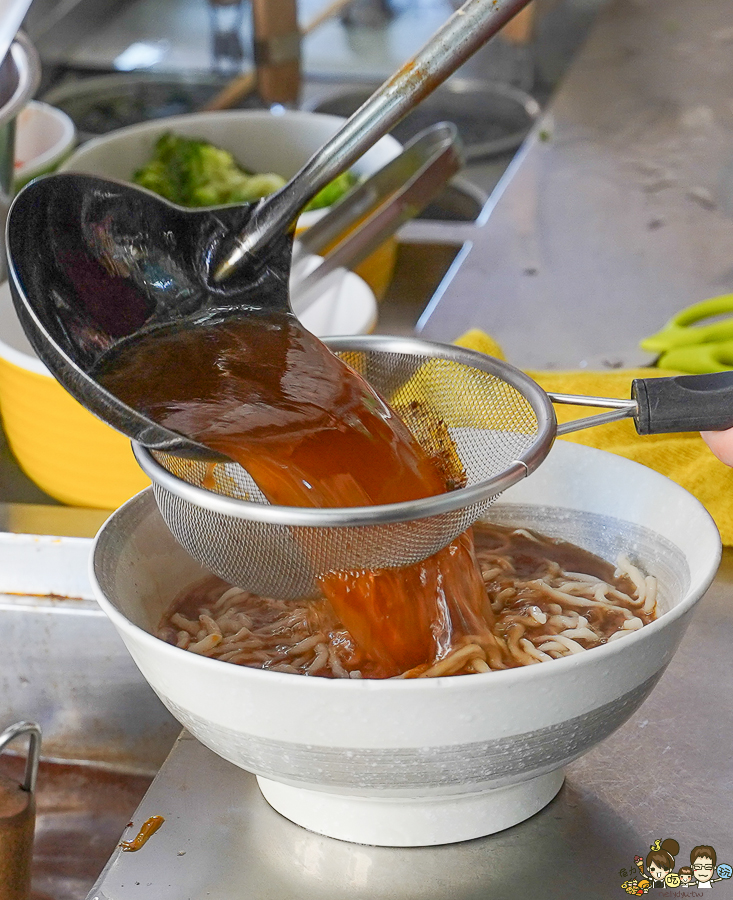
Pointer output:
530, 555
311, 432
526, 579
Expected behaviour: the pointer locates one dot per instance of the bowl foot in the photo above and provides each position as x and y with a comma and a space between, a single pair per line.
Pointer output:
416, 821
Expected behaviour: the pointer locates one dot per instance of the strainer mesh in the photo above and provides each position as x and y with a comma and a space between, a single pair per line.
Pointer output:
476, 421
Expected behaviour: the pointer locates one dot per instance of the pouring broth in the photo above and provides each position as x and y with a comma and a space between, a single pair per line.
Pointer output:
311, 432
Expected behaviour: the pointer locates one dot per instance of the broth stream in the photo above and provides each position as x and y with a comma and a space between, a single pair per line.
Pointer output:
311, 432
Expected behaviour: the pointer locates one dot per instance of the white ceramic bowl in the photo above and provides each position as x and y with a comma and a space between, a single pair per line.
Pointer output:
260, 140
44, 137
433, 761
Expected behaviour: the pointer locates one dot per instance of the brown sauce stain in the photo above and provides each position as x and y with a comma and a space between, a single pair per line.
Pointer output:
81, 812
147, 830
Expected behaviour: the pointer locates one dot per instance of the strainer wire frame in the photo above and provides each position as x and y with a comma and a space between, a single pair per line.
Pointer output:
355, 516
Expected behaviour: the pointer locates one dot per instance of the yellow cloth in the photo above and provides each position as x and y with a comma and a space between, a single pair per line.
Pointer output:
685, 458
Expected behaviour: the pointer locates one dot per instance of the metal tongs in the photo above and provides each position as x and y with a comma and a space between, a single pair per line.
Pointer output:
372, 212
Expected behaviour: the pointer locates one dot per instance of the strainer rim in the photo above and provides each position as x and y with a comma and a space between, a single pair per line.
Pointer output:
356, 516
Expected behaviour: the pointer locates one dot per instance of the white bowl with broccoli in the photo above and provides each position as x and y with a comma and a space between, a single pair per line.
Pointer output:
206, 159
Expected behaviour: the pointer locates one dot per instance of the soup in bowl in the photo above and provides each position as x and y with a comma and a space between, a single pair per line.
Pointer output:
426, 761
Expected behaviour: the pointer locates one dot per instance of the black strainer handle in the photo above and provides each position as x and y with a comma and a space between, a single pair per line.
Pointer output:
684, 403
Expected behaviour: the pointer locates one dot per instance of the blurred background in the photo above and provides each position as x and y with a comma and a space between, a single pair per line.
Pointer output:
368, 40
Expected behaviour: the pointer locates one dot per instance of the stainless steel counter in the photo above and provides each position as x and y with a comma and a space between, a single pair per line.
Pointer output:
619, 212
666, 772
616, 214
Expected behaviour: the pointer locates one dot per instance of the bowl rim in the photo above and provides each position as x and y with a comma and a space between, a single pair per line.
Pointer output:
527, 673
230, 115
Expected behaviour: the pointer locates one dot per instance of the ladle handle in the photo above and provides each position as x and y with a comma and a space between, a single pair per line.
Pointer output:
464, 32
684, 403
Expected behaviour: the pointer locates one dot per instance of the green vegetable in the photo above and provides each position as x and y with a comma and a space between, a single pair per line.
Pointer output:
195, 173
333, 191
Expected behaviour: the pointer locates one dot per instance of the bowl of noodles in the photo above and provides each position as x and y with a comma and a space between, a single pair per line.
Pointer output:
462, 750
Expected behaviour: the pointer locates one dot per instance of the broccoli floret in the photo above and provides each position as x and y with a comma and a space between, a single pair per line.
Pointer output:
166, 172
212, 176
333, 191
195, 173
258, 186
156, 177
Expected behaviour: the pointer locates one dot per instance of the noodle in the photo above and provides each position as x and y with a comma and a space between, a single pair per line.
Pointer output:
541, 612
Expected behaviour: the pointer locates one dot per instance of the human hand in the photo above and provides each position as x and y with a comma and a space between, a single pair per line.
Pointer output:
721, 443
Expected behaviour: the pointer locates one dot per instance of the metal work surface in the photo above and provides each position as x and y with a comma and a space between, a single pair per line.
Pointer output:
616, 214
664, 773
80, 813
619, 211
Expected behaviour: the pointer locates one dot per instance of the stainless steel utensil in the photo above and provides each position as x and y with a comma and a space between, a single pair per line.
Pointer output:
95, 262
463, 33
498, 421
372, 212
20, 72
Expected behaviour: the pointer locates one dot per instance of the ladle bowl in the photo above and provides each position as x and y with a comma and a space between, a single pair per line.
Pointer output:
105, 261
426, 761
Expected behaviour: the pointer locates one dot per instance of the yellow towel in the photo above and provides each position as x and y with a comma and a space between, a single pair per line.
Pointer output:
685, 458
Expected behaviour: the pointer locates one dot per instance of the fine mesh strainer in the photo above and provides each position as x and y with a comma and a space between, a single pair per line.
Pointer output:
493, 420
497, 421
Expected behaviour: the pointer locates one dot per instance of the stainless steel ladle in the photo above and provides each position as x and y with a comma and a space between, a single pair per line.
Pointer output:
94, 262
